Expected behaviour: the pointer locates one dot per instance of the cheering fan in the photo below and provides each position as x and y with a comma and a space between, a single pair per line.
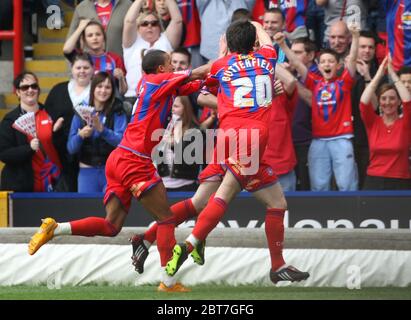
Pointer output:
26, 124
85, 112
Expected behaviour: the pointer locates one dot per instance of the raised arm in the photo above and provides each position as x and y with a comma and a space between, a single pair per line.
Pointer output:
402, 90
174, 29
71, 42
352, 57
262, 35
287, 79
130, 24
302, 70
369, 91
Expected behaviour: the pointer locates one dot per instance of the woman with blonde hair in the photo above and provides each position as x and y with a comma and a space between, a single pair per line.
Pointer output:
143, 31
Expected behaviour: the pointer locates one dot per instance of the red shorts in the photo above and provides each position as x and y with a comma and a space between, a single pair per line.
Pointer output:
240, 149
128, 175
264, 178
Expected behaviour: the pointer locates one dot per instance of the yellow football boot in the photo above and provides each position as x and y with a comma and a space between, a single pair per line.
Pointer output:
178, 287
44, 234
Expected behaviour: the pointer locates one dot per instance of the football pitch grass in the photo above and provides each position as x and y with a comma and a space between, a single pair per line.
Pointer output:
204, 292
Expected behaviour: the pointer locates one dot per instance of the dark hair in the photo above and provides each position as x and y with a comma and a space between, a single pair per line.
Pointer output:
240, 14
97, 79
277, 11
94, 23
152, 59
368, 34
384, 88
19, 78
329, 51
309, 45
404, 70
84, 56
183, 51
241, 36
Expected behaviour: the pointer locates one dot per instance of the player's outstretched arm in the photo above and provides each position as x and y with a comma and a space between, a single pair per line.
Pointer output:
200, 72
279, 38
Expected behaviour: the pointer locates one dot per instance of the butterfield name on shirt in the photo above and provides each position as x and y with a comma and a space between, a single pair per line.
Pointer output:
247, 61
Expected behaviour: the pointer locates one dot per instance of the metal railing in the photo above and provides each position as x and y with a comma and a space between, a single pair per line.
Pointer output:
16, 35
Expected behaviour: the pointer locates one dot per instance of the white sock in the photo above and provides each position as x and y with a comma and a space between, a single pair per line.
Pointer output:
168, 280
193, 240
62, 229
147, 244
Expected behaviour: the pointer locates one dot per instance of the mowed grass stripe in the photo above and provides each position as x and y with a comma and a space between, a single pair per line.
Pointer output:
208, 292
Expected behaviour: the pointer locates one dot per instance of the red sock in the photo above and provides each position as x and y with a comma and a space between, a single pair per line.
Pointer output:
165, 240
209, 218
93, 226
181, 212
274, 231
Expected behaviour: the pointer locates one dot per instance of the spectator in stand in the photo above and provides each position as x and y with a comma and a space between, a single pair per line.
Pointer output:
340, 38
60, 102
143, 31
366, 68
398, 31
176, 172
110, 13
304, 49
293, 11
180, 59
273, 22
388, 134
405, 77
94, 142
351, 11
331, 149
215, 16
31, 163
93, 37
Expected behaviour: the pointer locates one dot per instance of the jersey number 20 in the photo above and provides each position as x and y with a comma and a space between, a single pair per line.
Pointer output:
263, 91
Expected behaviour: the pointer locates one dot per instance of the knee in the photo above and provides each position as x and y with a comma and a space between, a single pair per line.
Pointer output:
199, 203
279, 203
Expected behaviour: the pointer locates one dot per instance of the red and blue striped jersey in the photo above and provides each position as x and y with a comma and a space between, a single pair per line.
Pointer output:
293, 10
399, 31
245, 84
108, 62
331, 105
156, 94
191, 20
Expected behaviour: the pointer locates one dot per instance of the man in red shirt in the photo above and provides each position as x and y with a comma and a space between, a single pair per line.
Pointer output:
245, 81
129, 169
331, 150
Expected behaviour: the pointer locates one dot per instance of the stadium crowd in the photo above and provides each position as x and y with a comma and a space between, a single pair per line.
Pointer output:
340, 118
